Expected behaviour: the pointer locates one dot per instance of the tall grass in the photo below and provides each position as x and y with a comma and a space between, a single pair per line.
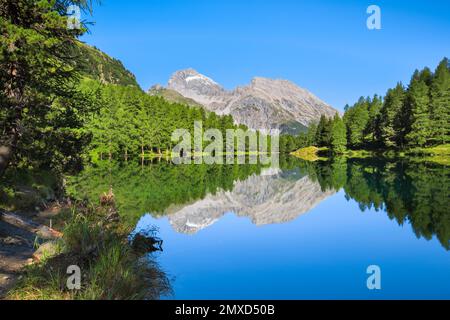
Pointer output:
111, 269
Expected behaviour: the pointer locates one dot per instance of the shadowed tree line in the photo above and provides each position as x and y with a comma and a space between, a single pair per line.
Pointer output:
42, 111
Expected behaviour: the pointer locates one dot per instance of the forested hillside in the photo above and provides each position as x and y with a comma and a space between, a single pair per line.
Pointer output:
130, 122
407, 118
98, 65
171, 96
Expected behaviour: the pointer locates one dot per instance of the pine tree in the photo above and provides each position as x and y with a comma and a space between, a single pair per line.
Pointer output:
323, 134
327, 132
390, 116
426, 75
440, 103
338, 135
418, 98
319, 131
356, 120
36, 69
311, 134
371, 131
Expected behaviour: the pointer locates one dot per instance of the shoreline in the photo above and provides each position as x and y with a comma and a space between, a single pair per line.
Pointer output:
20, 233
438, 154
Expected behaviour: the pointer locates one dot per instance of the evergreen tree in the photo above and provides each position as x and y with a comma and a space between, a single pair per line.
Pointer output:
338, 135
36, 70
418, 98
356, 120
440, 103
426, 75
323, 133
417, 117
319, 131
391, 116
311, 134
372, 130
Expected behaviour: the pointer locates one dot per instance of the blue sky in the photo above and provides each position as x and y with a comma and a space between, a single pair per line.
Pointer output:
323, 46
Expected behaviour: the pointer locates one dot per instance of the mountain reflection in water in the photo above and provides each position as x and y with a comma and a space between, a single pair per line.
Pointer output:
195, 196
276, 197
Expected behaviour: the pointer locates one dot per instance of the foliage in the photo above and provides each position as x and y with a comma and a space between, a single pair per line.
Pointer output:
440, 103
409, 191
155, 186
392, 116
133, 123
42, 111
407, 118
356, 119
111, 269
26, 190
420, 112
309, 153
97, 65
338, 139
172, 96
290, 143
323, 133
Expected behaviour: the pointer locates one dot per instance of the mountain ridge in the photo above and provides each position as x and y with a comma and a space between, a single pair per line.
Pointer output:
96, 64
269, 105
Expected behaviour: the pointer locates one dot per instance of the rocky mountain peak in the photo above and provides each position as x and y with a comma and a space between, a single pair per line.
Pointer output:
191, 79
196, 86
269, 105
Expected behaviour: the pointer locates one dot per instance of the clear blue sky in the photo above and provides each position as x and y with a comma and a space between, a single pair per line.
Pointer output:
323, 46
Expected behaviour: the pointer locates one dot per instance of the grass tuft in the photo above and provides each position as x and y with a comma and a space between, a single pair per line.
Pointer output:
111, 268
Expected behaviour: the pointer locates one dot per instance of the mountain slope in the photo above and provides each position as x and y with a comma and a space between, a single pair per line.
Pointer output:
98, 65
172, 96
264, 104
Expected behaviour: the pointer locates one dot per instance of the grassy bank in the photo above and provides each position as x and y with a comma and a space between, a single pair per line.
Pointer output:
310, 153
438, 154
112, 266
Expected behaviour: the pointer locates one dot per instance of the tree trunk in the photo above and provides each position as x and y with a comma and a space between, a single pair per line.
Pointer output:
7, 149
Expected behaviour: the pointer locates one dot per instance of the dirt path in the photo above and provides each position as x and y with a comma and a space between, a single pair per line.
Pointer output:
16, 250
18, 234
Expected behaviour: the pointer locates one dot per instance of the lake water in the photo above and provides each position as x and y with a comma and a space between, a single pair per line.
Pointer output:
304, 231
